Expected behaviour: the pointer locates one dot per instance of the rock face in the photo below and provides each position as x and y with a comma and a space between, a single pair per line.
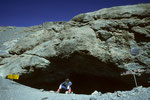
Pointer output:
101, 43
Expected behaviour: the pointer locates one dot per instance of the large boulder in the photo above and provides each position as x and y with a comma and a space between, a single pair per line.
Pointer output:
109, 35
21, 64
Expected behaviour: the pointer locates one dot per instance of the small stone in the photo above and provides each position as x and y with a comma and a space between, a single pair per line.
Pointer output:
118, 93
95, 93
41, 90
52, 91
44, 98
93, 98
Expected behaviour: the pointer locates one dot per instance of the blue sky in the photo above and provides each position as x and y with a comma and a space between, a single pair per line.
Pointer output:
35, 12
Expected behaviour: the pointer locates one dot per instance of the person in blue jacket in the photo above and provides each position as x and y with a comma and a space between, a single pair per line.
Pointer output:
66, 85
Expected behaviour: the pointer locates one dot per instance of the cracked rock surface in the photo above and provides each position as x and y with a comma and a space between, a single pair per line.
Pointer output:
106, 34
117, 35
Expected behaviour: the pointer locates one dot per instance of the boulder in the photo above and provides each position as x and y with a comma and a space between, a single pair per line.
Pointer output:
101, 40
21, 64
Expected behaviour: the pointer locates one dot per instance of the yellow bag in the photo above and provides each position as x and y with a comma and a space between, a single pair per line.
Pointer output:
13, 76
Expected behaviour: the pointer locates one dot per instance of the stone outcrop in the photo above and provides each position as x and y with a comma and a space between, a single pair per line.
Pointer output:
108, 35
21, 64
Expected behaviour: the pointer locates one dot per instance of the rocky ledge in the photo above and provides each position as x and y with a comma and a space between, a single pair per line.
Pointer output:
106, 46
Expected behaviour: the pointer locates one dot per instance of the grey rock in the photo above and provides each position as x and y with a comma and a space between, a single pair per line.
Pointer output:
141, 30
30, 42
105, 34
17, 64
83, 18
56, 26
60, 38
118, 12
96, 93
133, 66
93, 98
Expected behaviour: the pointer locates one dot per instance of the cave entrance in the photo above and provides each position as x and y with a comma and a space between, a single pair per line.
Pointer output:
86, 84
87, 74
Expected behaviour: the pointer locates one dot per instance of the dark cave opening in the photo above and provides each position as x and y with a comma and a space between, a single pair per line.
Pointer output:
87, 74
86, 84
82, 84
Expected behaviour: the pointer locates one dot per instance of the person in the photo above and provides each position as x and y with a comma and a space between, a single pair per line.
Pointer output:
66, 85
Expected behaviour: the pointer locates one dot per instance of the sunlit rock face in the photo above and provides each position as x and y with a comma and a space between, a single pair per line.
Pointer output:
95, 48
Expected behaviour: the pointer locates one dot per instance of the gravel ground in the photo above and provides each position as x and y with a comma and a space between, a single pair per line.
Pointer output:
10, 90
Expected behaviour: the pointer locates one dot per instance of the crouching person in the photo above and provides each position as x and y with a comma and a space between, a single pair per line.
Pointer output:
66, 85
